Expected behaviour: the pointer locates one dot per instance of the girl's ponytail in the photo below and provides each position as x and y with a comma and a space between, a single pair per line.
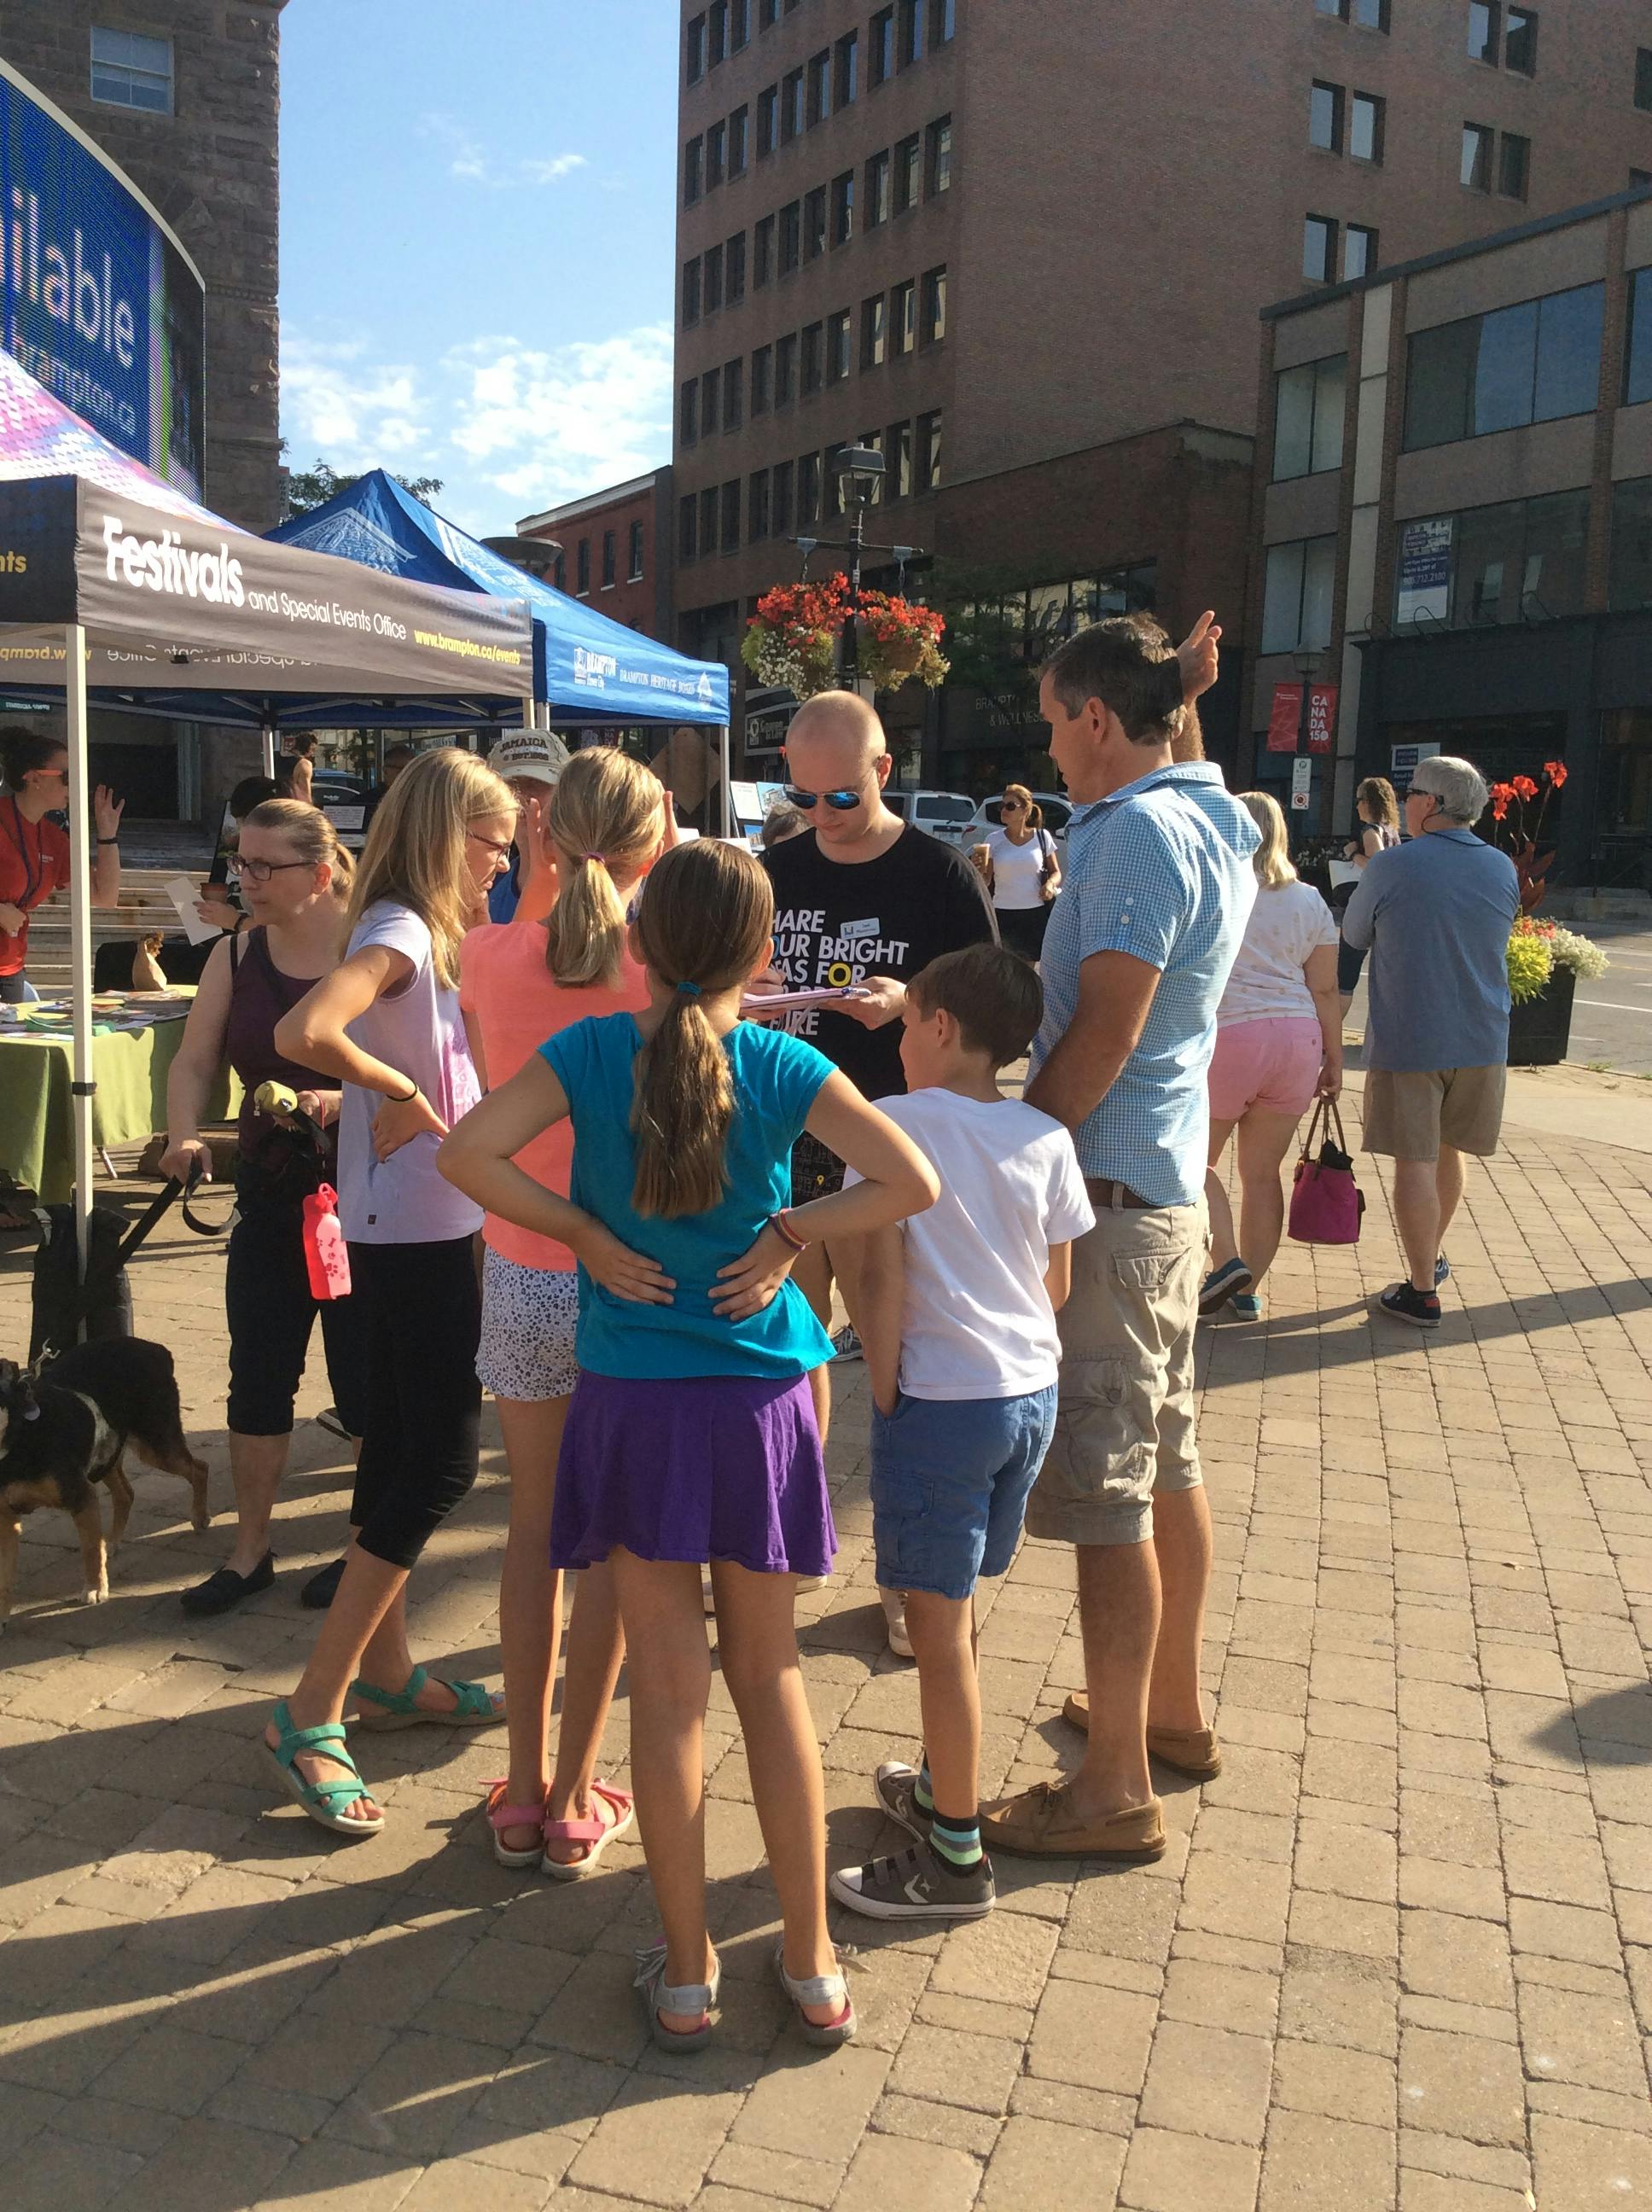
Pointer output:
604, 812
706, 914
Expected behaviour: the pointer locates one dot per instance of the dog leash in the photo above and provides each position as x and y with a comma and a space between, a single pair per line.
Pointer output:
160, 1206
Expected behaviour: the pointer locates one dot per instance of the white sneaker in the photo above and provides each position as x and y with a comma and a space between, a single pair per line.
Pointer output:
895, 1614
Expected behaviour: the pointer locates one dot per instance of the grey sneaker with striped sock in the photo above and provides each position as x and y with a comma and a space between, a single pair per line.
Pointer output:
896, 1788
913, 1885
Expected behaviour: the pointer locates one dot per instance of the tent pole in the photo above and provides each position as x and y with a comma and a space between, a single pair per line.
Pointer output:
267, 738
82, 855
722, 764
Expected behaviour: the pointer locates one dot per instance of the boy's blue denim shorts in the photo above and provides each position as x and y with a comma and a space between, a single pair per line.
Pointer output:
949, 1480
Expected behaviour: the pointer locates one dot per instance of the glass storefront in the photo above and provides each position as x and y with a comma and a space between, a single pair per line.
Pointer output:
1624, 815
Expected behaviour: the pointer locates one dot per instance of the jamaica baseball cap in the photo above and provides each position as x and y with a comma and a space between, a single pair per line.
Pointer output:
528, 755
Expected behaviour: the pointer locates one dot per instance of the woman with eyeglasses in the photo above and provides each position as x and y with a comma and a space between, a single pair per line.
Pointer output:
1026, 874
34, 851
294, 879
386, 1024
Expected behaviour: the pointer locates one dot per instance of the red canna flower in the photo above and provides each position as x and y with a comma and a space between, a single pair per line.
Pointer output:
1556, 771
1501, 795
1523, 787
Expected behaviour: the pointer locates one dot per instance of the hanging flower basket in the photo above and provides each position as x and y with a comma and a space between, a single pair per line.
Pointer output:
898, 639
791, 643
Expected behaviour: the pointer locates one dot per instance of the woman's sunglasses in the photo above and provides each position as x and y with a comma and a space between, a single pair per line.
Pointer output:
841, 802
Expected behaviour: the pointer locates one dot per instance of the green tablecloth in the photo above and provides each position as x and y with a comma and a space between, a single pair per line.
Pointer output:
36, 1136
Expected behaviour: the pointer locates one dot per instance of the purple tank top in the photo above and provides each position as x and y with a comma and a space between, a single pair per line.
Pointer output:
259, 994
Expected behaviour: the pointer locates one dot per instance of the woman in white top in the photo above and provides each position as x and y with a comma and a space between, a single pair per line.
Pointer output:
1279, 1043
1379, 828
1025, 873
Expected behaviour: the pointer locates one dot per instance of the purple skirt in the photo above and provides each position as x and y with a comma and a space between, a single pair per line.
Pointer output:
709, 1468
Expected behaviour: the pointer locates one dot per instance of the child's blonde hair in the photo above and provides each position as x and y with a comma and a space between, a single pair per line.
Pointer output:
603, 813
415, 848
1271, 859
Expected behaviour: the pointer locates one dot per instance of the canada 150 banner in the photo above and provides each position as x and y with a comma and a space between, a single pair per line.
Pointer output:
99, 302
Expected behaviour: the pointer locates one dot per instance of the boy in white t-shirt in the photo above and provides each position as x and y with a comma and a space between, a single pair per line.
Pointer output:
957, 1312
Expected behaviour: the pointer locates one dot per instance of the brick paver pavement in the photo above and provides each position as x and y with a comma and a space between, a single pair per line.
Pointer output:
1399, 1956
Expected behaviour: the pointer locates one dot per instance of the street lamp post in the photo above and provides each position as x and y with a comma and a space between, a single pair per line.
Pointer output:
1307, 664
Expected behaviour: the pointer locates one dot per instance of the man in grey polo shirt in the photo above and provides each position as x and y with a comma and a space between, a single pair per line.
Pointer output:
1435, 913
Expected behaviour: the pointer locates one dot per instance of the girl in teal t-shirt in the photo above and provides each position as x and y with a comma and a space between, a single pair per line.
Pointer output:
691, 1434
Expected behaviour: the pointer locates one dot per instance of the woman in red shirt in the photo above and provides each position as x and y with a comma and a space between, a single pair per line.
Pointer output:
34, 852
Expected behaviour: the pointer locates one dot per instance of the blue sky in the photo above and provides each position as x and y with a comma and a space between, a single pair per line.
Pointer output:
477, 243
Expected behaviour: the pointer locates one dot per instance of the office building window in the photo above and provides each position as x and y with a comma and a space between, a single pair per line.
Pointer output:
814, 355
1631, 575
1358, 251
874, 331
1371, 15
1530, 363
716, 155
691, 293
1296, 595
1309, 403
786, 370
808, 491
1365, 119
1325, 116
687, 534
934, 309
739, 25
873, 442
897, 460
610, 556
739, 141
790, 236
1319, 249
688, 413
1519, 42
693, 171
717, 41
1519, 561
757, 508
1483, 16
734, 268
1331, 7
1639, 179
814, 224
1513, 166
881, 33
839, 345
763, 379
714, 278
940, 156
877, 190
908, 173
733, 393
929, 452
792, 124
694, 42
843, 208
711, 400
1478, 140
582, 568
1638, 345
709, 521
943, 22
768, 120
903, 317
847, 70
763, 253
911, 32
768, 14
820, 87
780, 506
633, 569
836, 491
1644, 78
731, 518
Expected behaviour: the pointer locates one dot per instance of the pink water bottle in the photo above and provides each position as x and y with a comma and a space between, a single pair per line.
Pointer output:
325, 1250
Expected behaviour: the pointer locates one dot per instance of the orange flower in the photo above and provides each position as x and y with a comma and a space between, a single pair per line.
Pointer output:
1556, 771
1501, 795
1523, 787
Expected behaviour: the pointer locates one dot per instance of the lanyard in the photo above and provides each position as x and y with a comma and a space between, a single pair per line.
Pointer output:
34, 869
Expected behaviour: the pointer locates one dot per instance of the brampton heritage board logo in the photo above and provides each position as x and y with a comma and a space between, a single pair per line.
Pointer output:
703, 689
162, 564
593, 668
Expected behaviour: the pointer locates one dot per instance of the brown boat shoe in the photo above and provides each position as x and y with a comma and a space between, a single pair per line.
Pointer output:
1041, 1824
1193, 1752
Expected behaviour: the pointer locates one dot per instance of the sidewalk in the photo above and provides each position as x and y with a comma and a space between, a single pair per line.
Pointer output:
1399, 1954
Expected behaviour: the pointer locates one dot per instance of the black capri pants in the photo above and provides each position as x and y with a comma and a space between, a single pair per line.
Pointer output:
421, 1311
270, 1314
1351, 961
1022, 928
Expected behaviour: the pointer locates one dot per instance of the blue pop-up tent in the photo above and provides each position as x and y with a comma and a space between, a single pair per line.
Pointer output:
589, 671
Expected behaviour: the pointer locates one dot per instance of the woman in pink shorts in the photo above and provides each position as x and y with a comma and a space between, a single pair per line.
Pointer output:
1278, 1044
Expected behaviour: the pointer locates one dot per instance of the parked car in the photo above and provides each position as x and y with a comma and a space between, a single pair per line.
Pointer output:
1057, 812
944, 814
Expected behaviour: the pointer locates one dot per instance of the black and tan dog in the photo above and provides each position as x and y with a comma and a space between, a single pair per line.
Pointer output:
66, 1429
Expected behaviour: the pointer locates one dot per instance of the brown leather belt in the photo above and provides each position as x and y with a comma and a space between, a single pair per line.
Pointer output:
1106, 1192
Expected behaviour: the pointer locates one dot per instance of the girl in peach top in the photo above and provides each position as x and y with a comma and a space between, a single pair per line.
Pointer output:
519, 985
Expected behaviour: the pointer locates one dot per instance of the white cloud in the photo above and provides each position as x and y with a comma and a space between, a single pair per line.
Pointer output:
336, 403
552, 172
469, 162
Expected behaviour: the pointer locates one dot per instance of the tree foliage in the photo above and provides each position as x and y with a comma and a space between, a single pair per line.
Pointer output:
313, 486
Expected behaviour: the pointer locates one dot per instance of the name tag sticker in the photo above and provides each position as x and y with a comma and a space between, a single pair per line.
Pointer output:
853, 929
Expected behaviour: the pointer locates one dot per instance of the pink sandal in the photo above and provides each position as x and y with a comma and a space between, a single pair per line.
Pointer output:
502, 1816
594, 1830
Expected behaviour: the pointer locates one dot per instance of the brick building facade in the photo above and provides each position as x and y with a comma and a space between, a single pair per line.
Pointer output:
615, 551
203, 148
1005, 238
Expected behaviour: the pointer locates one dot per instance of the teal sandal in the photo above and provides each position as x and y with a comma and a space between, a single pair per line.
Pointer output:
324, 1802
400, 1709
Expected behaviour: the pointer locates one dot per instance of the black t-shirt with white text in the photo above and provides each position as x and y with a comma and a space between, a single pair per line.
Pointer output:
837, 922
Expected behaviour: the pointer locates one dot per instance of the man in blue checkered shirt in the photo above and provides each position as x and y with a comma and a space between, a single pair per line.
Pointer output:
1158, 887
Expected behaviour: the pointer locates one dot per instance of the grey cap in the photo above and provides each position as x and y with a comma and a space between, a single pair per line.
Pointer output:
529, 755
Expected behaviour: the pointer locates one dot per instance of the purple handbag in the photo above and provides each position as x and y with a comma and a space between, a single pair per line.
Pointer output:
1327, 1205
